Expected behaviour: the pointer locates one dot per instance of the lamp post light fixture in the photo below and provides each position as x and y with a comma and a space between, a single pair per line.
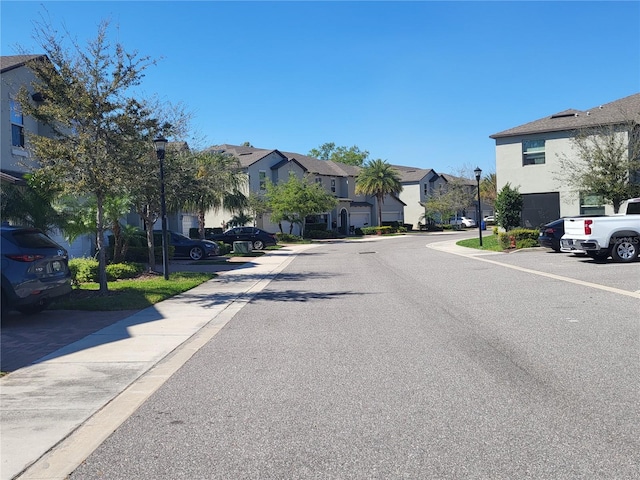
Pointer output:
478, 172
161, 145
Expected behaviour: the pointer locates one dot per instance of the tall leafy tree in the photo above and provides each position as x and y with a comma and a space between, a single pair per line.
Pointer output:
294, 200
508, 207
216, 181
350, 156
257, 206
378, 179
95, 121
605, 161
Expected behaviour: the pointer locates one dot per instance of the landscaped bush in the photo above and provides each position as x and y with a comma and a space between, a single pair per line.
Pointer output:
117, 271
224, 248
319, 234
288, 238
377, 230
524, 237
83, 270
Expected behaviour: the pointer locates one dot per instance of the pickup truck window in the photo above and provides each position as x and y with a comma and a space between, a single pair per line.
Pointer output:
633, 208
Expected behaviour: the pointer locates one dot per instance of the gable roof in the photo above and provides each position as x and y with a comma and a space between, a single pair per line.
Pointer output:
412, 174
246, 155
250, 155
9, 62
323, 167
617, 112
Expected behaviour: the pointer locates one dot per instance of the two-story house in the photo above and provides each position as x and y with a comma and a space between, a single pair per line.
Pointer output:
15, 159
15, 156
353, 211
528, 157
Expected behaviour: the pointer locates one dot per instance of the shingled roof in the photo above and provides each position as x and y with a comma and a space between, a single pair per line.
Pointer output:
9, 62
617, 112
411, 174
250, 155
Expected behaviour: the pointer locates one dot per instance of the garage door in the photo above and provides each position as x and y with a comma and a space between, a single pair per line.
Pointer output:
360, 219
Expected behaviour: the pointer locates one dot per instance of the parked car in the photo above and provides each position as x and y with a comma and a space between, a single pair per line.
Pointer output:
490, 220
258, 238
187, 247
35, 270
463, 222
601, 236
551, 233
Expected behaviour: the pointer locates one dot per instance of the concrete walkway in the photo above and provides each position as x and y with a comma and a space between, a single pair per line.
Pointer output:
56, 411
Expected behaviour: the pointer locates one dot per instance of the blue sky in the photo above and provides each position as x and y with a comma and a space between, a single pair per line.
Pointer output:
416, 83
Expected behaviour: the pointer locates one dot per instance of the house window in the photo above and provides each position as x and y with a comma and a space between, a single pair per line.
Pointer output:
591, 204
17, 125
263, 179
333, 185
425, 189
319, 180
533, 152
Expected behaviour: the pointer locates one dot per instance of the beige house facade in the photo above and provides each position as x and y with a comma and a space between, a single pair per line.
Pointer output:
338, 179
528, 157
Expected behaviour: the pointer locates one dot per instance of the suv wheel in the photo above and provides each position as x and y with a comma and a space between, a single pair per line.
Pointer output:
196, 253
258, 245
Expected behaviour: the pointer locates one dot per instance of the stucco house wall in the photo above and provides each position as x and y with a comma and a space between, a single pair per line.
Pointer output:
547, 196
14, 74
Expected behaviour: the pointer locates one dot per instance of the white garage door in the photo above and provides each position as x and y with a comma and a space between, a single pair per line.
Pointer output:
360, 219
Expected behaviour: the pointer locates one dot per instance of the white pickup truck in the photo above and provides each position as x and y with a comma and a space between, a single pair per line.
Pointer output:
599, 237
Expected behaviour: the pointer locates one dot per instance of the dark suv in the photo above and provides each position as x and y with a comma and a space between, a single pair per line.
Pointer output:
35, 270
258, 238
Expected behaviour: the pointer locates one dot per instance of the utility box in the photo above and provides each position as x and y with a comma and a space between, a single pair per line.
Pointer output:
242, 247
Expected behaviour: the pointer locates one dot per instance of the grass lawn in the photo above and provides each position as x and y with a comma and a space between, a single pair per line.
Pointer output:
489, 242
131, 294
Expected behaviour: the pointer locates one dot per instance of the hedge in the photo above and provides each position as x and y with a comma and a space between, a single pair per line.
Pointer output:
524, 238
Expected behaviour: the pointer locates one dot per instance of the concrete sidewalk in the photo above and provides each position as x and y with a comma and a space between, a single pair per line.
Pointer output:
55, 412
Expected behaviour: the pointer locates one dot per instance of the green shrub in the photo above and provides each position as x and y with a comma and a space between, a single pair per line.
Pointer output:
377, 230
288, 238
524, 238
224, 248
83, 270
118, 271
319, 234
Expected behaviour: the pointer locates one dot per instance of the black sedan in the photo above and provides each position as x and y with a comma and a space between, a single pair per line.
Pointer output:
258, 238
35, 270
186, 247
551, 233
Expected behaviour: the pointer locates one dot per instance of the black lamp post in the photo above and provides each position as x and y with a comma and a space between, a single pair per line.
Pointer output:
161, 145
478, 172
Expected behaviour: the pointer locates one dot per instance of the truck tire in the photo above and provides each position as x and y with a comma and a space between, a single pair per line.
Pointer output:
625, 249
598, 254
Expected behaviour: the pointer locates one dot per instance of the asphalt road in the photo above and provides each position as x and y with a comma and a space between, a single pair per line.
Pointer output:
390, 360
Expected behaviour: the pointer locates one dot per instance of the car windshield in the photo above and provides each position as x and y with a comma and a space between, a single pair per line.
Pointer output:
33, 239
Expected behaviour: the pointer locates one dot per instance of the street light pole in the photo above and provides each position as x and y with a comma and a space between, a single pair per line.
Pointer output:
161, 144
478, 172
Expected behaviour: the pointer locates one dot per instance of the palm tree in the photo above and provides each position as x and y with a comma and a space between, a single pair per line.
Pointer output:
378, 178
215, 183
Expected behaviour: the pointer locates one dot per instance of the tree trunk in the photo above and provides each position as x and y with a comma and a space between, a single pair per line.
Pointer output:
116, 229
150, 246
201, 224
102, 257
